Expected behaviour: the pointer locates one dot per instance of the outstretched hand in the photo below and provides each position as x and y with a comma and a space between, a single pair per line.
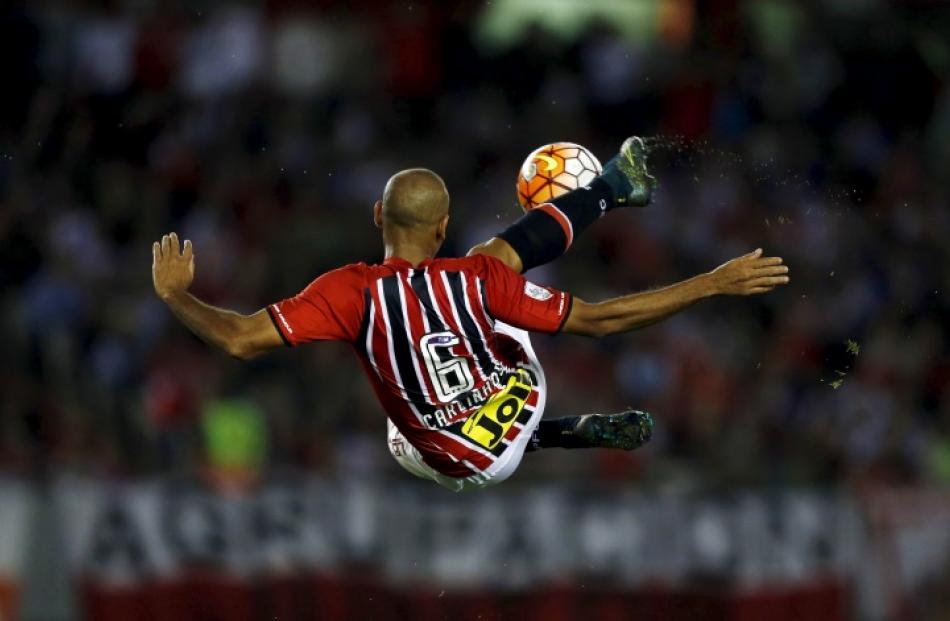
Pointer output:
749, 274
172, 270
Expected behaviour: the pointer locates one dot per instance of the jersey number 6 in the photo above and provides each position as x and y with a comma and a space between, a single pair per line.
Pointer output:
450, 374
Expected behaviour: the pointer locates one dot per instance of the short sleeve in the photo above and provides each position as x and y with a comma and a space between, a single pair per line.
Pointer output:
329, 309
515, 300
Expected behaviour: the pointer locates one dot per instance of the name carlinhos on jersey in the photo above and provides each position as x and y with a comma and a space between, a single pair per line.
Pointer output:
453, 411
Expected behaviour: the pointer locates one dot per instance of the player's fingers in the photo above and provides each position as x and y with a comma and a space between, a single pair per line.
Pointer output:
758, 290
156, 252
187, 251
767, 261
173, 243
166, 246
772, 270
769, 281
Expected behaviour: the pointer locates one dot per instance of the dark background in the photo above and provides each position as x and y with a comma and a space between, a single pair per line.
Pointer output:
264, 133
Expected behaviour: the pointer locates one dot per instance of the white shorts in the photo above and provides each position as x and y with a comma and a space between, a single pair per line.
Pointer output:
410, 458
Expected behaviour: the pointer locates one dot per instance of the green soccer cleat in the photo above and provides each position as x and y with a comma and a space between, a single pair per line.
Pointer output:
626, 174
626, 431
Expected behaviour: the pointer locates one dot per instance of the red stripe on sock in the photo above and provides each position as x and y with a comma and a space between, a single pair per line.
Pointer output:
561, 219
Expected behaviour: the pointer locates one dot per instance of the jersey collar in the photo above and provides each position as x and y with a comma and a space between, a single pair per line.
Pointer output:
400, 262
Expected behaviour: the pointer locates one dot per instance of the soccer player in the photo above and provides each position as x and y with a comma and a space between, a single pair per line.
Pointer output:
444, 341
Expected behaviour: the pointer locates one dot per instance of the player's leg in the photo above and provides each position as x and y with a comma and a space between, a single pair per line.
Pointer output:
625, 430
546, 232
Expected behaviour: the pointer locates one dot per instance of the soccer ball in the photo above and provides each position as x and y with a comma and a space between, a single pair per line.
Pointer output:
553, 170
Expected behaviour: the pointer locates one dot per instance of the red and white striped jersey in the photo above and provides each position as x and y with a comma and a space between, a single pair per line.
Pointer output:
457, 389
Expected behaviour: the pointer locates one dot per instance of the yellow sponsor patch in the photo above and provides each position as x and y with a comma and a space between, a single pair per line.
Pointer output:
491, 422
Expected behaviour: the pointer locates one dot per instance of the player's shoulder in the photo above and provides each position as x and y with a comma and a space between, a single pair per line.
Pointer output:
360, 267
354, 274
477, 263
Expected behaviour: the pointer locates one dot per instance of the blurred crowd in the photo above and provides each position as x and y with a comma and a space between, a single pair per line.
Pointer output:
264, 132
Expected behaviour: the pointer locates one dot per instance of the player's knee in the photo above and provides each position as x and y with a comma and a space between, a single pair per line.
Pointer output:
537, 238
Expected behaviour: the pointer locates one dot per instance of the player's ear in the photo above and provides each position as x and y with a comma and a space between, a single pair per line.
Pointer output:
441, 229
378, 214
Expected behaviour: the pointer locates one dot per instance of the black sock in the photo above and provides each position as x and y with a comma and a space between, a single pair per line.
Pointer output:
547, 231
556, 433
585, 205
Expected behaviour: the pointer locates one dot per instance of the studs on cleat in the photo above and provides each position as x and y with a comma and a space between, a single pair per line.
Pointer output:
629, 171
626, 430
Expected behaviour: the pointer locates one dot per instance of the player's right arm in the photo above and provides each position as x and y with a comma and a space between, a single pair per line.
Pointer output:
750, 274
242, 336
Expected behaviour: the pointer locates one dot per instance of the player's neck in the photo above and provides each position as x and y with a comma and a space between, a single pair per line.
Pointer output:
413, 254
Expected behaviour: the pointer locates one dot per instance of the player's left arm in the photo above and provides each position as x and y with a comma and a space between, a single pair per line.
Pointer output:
750, 274
242, 336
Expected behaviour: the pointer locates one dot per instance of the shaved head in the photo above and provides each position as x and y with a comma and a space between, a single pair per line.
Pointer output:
415, 198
